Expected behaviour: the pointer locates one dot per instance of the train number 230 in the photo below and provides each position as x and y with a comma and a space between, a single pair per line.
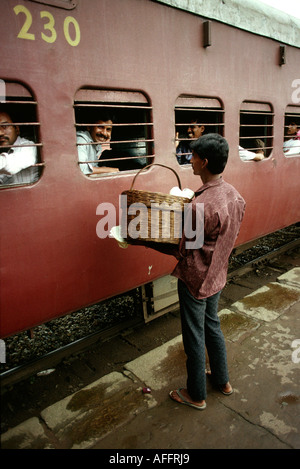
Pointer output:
51, 34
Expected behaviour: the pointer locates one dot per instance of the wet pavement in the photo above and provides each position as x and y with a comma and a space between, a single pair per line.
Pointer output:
118, 412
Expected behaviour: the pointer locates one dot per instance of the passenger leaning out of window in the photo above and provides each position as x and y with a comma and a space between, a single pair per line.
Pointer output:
257, 155
91, 144
17, 154
292, 145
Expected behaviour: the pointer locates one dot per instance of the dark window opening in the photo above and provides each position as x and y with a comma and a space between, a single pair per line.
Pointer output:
195, 116
256, 130
19, 136
129, 116
291, 137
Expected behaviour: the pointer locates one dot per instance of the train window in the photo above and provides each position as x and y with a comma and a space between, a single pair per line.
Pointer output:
194, 116
114, 127
256, 130
19, 136
291, 136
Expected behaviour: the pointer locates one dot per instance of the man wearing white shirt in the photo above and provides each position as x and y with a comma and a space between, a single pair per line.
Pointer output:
258, 155
17, 154
291, 147
247, 155
91, 143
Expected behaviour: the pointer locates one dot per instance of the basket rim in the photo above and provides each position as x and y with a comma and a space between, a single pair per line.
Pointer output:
133, 191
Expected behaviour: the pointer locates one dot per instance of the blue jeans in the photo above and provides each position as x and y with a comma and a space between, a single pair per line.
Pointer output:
200, 328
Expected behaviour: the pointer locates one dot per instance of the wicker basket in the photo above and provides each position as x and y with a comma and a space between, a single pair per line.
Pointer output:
158, 218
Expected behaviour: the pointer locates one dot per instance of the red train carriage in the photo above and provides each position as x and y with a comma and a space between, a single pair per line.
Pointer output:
154, 66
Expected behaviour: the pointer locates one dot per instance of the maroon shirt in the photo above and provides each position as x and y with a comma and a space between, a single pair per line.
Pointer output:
204, 270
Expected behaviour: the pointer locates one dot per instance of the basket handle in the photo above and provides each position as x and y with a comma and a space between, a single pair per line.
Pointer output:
156, 164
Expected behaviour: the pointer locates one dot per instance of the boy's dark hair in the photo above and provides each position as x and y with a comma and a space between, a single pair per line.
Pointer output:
215, 149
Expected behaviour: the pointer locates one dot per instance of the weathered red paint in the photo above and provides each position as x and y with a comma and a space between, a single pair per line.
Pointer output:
52, 261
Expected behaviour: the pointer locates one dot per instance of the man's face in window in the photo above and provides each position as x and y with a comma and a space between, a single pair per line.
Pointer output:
102, 131
195, 130
8, 133
292, 128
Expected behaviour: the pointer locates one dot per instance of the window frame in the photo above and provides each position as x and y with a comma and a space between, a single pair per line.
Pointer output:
263, 110
195, 105
291, 115
17, 96
118, 102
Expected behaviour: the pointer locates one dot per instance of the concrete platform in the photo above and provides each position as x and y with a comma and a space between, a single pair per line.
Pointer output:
116, 412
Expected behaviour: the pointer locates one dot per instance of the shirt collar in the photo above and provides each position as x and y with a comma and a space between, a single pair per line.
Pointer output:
215, 182
17, 141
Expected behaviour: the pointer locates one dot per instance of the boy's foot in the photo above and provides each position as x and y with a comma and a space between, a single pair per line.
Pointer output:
182, 397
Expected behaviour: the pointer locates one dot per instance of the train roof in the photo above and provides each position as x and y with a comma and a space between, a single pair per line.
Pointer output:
249, 15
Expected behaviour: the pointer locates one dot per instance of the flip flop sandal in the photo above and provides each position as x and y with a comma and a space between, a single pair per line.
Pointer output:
184, 401
208, 374
224, 392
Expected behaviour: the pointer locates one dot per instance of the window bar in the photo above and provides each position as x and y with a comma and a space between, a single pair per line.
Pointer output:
256, 136
20, 124
256, 125
18, 102
111, 142
256, 148
199, 109
187, 124
113, 106
257, 113
24, 145
102, 160
116, 125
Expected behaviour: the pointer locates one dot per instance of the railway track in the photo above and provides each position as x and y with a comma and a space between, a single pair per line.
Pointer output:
49, 360
261, 260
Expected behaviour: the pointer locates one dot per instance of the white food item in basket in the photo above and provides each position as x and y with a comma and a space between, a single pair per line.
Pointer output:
188, 193
176, 191
115, 232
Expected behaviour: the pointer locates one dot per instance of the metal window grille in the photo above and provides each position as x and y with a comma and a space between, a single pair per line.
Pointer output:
202, 111
132, 143
256, 126
291, 141
21, 106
